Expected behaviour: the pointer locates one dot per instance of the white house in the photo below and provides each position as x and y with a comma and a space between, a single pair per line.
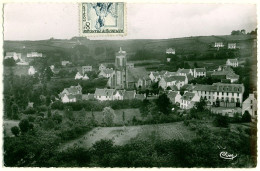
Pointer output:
221, 94
185, 72
64, 63
31, 70
232, 62
174, 97
85, 77
250, 105
34, 55
68, 98
78, 76
232, 46
71, 94
107, 73
101, 67
199, 72
219, 44
87, 68
179, 81
170, 51
104, 94
188, 100
13, 55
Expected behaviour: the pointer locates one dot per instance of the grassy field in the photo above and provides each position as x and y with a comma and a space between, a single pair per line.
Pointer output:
122, 135
8, 124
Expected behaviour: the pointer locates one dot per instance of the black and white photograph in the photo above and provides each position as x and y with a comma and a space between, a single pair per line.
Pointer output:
124, 84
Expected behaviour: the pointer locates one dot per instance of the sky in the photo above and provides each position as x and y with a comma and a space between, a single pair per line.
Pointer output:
38, 21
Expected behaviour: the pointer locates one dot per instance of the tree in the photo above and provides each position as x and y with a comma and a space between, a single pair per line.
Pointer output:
15, 111
163, 103
108, 116
221, 121
49, 113
24, 125
9, 62
123, 117
246, 117
15, 130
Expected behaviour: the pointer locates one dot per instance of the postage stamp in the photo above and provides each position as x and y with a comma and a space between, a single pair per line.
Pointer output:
103, 19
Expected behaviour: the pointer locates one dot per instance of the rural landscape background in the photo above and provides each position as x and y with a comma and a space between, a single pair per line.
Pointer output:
142, 134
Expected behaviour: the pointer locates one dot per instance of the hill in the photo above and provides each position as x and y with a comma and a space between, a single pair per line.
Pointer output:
104, 50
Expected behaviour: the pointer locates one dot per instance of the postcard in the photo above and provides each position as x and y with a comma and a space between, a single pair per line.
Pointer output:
124, 84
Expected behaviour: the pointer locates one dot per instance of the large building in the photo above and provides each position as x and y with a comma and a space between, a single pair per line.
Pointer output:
221, 94
126, 77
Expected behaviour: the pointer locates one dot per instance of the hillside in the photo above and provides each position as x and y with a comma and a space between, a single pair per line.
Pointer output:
103, 50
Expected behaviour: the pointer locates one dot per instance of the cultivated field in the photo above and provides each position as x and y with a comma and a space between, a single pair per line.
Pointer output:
122, 135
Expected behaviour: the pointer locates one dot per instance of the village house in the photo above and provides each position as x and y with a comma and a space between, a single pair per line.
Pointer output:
219, 44
174, 97
250, 105
130, 65
34, 55
87, 68
13, 55
107, 73
188, 100
225, 72
101, 67
104, 94
170, 51
232, 62
232, 46
71, 94
178, 81
31, 70
154, 76
199, 72
221, 94
80, 76
65, 63
185, 72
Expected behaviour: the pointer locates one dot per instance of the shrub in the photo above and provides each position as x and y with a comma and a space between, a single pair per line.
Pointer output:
221, 121
246, 117
15, 130
24, 125
29, 110
57, 105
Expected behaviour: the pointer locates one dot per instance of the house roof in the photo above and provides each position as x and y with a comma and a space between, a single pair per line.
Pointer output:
233, 60
104, 92
172, 94
188, 96
108, 71
186, 71
200, 69
220, 87
129, 95
170, 50
134, 74
175, 78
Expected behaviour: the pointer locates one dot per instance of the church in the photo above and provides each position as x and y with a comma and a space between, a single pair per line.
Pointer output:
127, 77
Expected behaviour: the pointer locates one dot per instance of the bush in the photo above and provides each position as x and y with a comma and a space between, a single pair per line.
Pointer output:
29, 110
246, 117
24, 125
15, 130
221, 121
57, 105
